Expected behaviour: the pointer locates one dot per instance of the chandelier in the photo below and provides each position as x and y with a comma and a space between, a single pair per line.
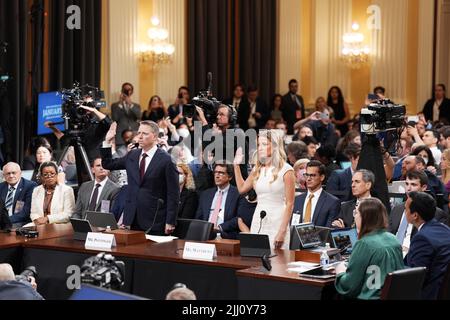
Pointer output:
158, 51
354, 52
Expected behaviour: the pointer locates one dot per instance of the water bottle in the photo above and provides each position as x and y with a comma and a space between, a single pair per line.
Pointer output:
324, 259
108, 229
218, 236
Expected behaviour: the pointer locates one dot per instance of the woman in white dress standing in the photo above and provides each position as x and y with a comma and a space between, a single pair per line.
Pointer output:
274, 182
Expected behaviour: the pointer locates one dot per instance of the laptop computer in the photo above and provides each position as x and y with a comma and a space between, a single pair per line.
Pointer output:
318, 273
344, 239
80, 229
101, 219
89, 292
255, 245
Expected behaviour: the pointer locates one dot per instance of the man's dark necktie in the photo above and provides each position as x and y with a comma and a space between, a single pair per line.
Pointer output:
93, 203
142, 165
9, 198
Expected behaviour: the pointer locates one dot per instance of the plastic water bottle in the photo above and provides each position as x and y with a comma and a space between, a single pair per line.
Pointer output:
324, 258
108, 229
218, 236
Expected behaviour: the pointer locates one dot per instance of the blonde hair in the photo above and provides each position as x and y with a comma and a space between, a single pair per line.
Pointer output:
278, 157
300, 162
189, 184
446, 172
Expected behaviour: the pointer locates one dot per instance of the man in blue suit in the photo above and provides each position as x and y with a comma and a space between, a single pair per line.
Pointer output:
430, 247
341, 180
153, 192
16, 192
220, 205
316, 206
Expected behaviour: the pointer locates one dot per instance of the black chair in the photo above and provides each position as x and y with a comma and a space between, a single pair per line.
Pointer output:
194, 230
444, 292
404, 284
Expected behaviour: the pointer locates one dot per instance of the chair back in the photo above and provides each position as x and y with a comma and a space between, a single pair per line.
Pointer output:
444, 292
404, 284
194, 230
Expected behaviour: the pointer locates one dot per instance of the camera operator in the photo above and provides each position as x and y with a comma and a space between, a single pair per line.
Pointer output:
176, 110
94, 133
321, 125
125, 112
222, 126
17, 288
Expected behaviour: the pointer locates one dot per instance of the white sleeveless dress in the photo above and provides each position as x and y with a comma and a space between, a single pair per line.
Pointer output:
271, 198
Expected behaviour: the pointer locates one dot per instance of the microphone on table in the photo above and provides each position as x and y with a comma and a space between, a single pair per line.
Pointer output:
158, 206
262, 215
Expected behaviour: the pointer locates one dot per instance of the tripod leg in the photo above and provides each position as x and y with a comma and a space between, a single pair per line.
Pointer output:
83, 165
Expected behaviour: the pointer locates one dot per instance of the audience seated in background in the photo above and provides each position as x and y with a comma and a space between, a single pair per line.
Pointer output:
323, 130
300, 170
312, 145
376, 253
188, 196
15, 193
430, 247
51, 202
316, 206
295, 151
293, 106
352, 136
220, 205
176, 111
362, 183
155, 110
445, 169
326, 154
96, 195
438, 108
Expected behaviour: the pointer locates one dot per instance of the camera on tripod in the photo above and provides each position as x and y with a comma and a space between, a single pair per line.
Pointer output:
26, 274
382, 116
209, 104
76, 118
103, 271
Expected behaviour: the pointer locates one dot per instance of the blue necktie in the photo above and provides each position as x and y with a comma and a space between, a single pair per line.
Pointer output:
9, 199
402, 230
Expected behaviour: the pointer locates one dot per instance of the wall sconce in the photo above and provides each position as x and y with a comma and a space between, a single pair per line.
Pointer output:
158, 51
354, 52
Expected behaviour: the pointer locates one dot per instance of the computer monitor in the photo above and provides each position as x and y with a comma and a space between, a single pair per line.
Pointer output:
49, 110
344, 239
89, 292
254, 245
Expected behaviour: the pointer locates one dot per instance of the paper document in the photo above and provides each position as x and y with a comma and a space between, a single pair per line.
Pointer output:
160, 239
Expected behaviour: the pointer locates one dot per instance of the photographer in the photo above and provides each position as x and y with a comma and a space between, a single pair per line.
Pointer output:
323, 130
125, 112
17, 288
176, 111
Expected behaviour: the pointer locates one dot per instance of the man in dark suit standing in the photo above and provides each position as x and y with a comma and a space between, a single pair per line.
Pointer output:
97, 194
220, 205
153, 192
340, 181
254, 113
438, 108
16, 194
362, 182
293, 107
430, 247
316, 206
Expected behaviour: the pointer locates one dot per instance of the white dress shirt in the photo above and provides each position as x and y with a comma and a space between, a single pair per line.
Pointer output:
149, 158
221, 218
313, 202
100, 189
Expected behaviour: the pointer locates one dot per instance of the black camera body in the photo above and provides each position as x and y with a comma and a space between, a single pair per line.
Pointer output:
76, 118
382, 116
26, 274
103, 271
27, 233
210, 106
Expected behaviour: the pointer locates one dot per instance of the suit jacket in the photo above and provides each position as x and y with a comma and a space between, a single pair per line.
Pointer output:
234, 201
63, 204
23, 193
125, 119
430, 248
444, 111
188, 204
244, 114
160, 182
341, 180
346, 213
396, 216
289, 110
326, 210
109, 193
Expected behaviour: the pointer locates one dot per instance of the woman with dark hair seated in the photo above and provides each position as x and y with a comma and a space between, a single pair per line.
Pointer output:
51, 202
425, 153
374, 255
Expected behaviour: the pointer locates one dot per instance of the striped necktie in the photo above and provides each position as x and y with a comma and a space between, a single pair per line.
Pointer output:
10, 199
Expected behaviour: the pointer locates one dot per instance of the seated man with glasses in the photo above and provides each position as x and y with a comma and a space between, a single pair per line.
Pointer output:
316, 206
51, 202
220, 205
15, 194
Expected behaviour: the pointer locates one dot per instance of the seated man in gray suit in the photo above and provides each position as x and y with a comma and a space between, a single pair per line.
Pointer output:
94, 195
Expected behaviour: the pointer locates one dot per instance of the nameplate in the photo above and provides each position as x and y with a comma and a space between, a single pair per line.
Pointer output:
99, 241
199, 251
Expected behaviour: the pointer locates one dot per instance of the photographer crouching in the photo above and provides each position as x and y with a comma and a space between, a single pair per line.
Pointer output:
21, 287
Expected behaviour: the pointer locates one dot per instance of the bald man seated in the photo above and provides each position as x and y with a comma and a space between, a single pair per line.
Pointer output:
15, 194
12, 289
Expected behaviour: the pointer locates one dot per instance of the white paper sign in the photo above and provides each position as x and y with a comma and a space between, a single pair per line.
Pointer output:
99, 241
199, 251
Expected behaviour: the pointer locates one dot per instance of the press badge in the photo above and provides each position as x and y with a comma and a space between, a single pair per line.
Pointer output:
19, 206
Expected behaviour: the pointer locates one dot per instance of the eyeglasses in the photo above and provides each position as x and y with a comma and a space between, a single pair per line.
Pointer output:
307, 175
220, 173
48, 175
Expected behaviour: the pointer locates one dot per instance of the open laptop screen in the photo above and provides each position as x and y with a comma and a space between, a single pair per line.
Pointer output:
344, 238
